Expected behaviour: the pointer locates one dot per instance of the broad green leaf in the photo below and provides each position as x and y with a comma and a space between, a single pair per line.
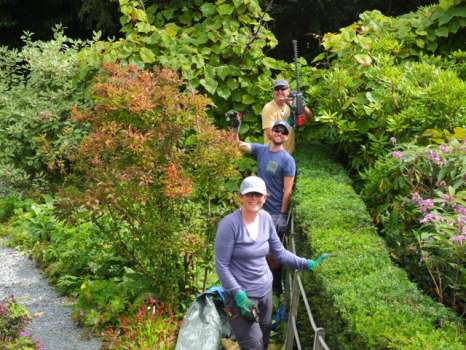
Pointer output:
209, 84
363, 59
420, 43
271, 63
442, 32
248, 99
225, 9
140, 15
223, 91
319, 57
147, 55
207, 9
459, 133
232, 84
168, 13
144, 27
172, 29
222, 72
444, 17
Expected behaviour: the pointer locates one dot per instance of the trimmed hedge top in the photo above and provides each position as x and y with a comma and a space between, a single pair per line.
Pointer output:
359, 296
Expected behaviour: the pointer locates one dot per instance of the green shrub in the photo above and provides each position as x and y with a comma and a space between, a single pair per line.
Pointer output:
39, 86
81, 261
362, 300
418, 195
154, 164
382, 82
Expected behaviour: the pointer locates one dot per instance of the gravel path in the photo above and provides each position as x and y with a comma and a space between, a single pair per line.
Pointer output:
51, 321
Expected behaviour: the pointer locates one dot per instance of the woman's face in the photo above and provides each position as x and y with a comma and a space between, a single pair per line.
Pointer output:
252, 201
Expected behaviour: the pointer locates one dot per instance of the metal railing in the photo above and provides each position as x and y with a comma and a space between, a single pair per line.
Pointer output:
296, 293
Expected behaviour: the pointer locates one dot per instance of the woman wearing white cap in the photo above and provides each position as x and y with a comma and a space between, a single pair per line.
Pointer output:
243, 240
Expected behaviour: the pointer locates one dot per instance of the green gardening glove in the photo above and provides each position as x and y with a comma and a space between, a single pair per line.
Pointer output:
311, 264
244, 304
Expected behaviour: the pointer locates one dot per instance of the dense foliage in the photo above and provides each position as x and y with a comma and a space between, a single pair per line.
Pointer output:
217, 47
361, 299
38, 87
419, 195
383, 82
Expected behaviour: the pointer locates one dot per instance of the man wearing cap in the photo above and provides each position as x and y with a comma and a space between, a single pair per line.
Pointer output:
278, 169
279, 109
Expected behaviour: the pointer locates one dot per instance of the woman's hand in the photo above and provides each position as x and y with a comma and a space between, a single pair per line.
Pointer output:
311, 264
244, 304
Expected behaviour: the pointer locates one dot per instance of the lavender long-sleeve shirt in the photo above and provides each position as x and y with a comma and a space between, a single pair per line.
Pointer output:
240, 261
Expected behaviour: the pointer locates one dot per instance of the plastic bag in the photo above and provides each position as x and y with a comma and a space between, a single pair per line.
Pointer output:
204, 324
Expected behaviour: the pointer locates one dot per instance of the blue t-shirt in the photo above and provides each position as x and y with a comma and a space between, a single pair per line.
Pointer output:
272, 167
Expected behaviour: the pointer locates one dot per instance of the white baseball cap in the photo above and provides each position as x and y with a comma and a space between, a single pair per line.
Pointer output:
253, 184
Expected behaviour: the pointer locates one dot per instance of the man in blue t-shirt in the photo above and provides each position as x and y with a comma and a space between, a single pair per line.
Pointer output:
278, 169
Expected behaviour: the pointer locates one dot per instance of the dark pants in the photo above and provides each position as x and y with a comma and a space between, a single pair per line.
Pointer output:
251, 335
274, 265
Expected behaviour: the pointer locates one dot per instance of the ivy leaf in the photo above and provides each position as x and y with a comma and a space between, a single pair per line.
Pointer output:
147, 55
420, 43
143, 27
225, 9
363, 59
232, 84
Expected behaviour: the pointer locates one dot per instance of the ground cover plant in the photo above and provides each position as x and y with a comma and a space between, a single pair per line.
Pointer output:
13, 320
154, 326
361, 299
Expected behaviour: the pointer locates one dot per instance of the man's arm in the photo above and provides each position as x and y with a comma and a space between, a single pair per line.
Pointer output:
288, 182
244, 146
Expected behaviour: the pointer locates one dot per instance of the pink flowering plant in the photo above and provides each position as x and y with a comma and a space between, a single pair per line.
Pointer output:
417, 195
13, 320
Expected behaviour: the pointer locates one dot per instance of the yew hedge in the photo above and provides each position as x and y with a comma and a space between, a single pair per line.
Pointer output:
361, 299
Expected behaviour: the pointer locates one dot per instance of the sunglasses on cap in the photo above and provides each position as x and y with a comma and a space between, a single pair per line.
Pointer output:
280, 88
280, 130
